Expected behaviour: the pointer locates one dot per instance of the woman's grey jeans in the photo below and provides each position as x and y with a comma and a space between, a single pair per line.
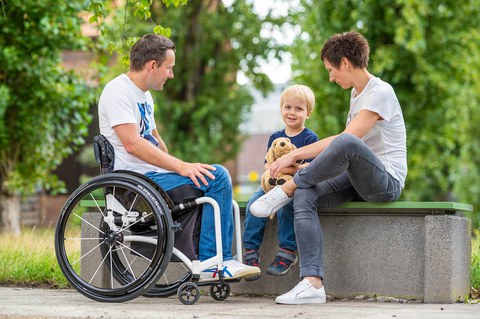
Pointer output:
346, 170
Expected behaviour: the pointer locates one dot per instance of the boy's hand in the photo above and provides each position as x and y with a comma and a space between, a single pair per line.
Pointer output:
197, 171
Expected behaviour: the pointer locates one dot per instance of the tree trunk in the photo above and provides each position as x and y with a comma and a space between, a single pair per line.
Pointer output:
10, 209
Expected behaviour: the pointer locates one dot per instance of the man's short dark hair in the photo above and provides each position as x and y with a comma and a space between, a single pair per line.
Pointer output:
149, 47
351, 45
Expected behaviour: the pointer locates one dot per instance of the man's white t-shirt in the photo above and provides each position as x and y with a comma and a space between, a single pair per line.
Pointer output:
122, 102
388, 138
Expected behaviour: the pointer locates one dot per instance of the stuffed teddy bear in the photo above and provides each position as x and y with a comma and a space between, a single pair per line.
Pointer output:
279, 147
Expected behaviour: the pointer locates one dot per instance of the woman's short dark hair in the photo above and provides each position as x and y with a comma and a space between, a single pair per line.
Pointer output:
149, 47
351, 45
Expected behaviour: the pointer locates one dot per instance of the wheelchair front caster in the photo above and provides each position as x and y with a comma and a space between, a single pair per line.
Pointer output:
220, 292
188, 293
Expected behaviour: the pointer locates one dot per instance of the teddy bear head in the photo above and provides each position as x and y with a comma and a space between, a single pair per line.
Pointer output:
280, 146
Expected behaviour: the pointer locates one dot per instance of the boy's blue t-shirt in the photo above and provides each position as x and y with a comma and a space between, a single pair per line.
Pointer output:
306, 137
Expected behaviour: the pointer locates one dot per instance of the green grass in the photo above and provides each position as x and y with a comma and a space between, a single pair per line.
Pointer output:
29, 260
475, 274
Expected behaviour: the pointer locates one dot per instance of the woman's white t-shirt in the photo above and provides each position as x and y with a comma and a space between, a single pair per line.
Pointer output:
387, 138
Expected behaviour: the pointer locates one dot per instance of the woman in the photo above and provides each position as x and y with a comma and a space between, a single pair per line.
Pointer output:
367, 161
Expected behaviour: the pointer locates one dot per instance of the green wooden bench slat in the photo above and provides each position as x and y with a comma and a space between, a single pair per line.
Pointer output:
91, 203
414, 205
451, 206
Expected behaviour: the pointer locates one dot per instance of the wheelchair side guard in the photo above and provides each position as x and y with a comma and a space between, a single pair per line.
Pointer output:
104, 153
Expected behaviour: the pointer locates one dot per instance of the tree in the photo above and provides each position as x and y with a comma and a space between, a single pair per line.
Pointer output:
43, 108
430, 52
199, 112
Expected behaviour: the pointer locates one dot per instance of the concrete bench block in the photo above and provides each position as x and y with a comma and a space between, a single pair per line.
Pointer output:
399, 250
404, 253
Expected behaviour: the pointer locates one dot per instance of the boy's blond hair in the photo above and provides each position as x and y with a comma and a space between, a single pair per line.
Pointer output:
302, 92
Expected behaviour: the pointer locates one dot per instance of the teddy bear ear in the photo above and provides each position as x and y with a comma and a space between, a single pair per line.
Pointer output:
269, 157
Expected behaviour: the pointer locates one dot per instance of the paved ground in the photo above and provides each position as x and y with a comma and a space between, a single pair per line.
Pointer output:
48, 304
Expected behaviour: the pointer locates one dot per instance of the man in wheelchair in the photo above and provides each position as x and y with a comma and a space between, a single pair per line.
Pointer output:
126, 119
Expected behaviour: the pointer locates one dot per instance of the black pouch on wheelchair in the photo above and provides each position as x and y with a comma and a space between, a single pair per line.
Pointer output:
104, 153
187, 238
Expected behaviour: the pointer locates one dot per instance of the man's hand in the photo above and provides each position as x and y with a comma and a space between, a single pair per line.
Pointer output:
196, 171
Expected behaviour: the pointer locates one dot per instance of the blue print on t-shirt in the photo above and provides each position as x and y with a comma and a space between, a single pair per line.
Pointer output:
145, 128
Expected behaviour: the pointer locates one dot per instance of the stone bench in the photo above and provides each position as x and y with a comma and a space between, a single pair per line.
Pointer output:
407, 250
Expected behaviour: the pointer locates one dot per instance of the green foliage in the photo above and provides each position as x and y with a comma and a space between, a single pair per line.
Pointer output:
43, 108
200, 110
430, 52
475, 270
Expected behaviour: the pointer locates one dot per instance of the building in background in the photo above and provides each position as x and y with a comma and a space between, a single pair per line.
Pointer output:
263, 120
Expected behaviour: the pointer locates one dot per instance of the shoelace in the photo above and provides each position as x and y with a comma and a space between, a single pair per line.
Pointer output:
301, 286
273, 197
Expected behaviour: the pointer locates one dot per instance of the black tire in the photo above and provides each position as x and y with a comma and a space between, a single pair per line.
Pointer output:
120, 259
220, 292
188, 293
172, 278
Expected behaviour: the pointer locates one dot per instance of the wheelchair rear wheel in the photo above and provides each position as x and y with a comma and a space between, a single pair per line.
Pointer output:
114, 238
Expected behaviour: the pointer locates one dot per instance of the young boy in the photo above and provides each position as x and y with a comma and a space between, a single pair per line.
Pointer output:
296, 105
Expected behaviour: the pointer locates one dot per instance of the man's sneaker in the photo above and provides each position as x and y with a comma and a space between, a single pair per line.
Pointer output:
303, 293
251, 258
232, 269
282, 263
270, 203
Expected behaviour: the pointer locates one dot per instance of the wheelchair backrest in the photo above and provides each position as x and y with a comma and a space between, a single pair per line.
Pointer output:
104, 153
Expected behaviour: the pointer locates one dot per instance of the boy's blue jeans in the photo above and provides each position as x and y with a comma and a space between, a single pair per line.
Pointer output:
255, 227
220, 189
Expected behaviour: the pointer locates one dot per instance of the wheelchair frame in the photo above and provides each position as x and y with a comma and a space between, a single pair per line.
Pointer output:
129, 209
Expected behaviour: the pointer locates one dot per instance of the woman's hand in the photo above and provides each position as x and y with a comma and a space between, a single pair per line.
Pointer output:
281, 163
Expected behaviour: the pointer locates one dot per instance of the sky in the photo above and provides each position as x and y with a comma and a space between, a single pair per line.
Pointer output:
277, 72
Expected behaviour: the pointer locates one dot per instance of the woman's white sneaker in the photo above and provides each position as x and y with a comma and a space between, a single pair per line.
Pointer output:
303, 293
270, 203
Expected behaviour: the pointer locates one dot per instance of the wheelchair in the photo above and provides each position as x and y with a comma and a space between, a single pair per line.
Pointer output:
120, 236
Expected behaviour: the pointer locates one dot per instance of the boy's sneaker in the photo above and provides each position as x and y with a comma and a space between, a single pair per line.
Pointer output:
232, 269
251, 258
282, 263
270, 203
303, 293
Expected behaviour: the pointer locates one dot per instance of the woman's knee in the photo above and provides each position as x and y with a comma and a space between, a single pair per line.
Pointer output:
347, 140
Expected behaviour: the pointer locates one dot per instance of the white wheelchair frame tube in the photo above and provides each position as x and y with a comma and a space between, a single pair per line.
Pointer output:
197, 266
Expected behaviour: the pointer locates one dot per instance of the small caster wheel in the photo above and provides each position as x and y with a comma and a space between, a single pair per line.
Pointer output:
188, 293
220, 292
